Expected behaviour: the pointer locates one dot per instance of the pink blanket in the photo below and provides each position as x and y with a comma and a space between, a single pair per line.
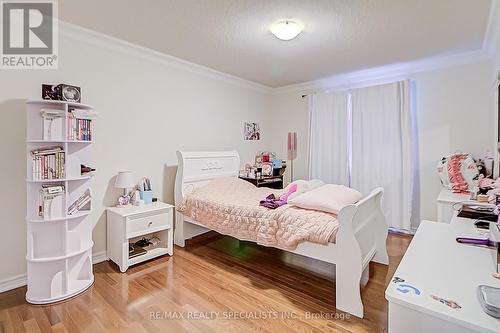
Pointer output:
230, 206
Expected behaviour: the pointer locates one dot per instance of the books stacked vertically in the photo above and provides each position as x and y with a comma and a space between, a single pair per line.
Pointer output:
80, 203
79, 125
48, 163
50, 201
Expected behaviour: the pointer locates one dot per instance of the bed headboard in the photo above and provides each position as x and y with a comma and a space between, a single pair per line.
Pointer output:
197, 168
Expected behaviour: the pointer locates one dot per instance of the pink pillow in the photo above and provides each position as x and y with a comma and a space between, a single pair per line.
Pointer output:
328, 198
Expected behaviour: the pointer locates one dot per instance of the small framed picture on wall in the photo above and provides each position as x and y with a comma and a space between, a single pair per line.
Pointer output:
251, 131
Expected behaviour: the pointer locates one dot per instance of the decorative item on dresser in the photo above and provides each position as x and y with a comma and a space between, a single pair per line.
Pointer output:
59, 201
129, 225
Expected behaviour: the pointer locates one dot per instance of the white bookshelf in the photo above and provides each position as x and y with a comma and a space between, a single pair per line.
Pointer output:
59, 249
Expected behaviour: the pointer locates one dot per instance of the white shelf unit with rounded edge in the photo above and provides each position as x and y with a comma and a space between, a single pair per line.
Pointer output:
59, 248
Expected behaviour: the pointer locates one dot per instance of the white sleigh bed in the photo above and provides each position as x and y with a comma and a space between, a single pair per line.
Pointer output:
361, 237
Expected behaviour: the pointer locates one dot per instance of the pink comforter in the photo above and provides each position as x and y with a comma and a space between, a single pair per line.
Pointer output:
230, 206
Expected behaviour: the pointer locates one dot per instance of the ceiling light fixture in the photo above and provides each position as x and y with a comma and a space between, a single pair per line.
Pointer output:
286, 29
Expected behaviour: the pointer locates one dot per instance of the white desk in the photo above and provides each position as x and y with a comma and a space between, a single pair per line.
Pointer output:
445, 202
437, 265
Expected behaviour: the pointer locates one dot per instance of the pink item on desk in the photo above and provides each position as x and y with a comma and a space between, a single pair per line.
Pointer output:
458, 183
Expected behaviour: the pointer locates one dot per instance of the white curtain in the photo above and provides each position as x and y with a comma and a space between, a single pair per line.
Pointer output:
328, 133
381, 147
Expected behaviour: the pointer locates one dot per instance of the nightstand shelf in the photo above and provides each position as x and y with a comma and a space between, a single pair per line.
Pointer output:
128, 224
149, 255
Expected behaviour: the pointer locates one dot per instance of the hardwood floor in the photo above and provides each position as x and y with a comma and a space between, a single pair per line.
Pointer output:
215, 284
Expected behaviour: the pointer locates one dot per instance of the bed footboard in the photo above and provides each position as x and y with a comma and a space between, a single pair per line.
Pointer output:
360, 239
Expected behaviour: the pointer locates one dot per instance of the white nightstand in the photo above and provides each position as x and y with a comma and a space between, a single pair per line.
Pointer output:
130, 224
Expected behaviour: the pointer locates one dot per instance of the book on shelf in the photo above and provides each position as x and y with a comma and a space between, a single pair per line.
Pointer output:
79, 203
50, 201
86, 170
48, 163
135, 251
52, 123
79, 125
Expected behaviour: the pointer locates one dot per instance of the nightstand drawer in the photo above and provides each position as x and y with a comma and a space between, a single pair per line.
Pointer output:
143, 225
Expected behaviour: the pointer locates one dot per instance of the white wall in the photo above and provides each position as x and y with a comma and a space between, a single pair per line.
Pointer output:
289, 114
147, 111
454, 111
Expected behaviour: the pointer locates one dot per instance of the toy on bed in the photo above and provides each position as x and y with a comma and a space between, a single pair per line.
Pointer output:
273, 202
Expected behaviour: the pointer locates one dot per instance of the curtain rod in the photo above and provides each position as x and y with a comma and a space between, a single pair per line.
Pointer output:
371, 83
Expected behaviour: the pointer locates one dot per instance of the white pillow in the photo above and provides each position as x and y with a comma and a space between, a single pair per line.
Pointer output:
304, 186
328, 198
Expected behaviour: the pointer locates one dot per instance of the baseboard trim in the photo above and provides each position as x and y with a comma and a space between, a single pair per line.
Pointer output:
13, 283
99, 257
22, 279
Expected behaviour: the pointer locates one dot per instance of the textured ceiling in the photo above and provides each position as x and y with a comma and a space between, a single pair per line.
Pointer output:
339, 35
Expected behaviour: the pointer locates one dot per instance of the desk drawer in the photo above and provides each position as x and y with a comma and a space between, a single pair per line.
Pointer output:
145, 224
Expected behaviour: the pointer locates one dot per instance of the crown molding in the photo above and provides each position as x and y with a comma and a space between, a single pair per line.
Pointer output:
382, 74
491, 42
94, 38
386, 73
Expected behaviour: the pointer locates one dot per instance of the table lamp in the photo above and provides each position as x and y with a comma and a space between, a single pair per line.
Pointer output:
125, 181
